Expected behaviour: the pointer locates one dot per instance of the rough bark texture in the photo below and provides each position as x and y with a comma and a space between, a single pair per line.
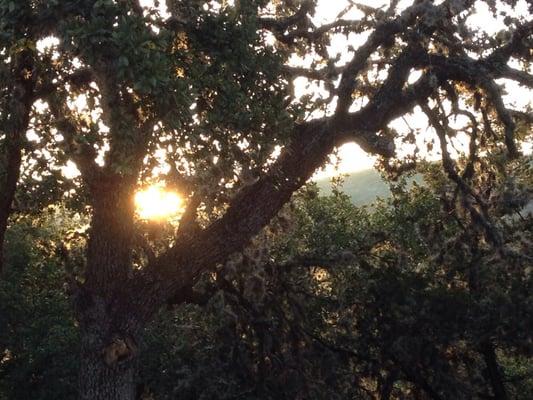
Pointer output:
109, 332
109, 349
100, 380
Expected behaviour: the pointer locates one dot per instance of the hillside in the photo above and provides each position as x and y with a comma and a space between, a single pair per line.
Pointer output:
362, 186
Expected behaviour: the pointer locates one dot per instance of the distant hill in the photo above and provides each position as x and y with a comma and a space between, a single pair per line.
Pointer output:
366, 185
362, 186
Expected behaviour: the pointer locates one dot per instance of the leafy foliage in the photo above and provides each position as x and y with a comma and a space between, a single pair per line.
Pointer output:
38, 336
331, 301
304, 298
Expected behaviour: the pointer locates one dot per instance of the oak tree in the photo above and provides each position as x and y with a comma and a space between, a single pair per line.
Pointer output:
205, 91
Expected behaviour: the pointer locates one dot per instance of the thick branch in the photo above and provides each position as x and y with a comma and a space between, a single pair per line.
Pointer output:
255, 205
253, 208
279, 26
83, 154
326, 73
384, 33
519, 76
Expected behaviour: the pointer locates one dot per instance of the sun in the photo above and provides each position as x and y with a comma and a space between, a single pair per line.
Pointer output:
157, 203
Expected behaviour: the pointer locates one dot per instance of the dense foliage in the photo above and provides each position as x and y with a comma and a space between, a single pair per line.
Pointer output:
332, 301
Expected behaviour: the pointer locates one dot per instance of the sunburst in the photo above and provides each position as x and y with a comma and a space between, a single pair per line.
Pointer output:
157, 203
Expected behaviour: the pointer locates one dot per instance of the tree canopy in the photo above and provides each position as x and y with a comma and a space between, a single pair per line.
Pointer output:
203, 95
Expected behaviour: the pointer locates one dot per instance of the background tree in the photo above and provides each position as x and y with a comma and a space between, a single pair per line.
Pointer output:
210, 84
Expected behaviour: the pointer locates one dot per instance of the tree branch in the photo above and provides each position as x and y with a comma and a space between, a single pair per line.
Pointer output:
481, 218
254, 206
519, 76
258, 203
383, 34
83, 154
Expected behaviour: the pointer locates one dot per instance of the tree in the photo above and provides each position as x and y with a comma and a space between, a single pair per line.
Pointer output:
210, 84
330, 301
38, 338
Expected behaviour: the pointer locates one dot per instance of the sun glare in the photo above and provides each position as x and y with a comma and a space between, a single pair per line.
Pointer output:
157, 203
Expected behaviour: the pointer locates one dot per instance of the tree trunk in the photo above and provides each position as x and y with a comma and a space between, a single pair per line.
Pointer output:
105, 306
109, 350
14, 123
99, 381
493, 371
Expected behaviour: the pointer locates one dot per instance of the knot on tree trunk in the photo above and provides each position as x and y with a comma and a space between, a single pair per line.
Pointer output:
122, 348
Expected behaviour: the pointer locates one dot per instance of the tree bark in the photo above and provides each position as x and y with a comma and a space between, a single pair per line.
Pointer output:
110, 335
109, 323
493, 371
107, 371
15, 125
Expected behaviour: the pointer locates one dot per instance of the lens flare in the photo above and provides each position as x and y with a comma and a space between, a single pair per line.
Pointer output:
156, 203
